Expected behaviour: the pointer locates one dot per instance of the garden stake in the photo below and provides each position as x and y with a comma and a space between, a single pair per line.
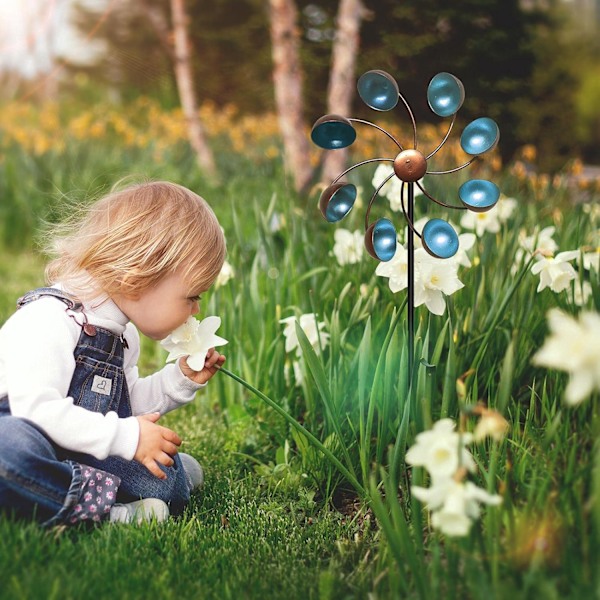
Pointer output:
445, 95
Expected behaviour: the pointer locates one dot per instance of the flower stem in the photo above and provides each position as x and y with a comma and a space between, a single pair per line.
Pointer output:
309, 436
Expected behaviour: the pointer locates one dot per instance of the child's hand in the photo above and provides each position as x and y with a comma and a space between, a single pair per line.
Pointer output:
157, 444
214, 361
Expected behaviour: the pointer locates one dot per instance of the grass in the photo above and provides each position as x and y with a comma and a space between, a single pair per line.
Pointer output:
280, 516
235, 540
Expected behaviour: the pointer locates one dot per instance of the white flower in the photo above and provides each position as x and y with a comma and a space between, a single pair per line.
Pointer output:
441, 450
312, 329
465, 242
505, 207
481, 221
490, 220
193, 339
298, 373
396, 269
581, 293
539, 240
555, 272
227, 272
392, 189
454, 505
592, 260
348, 247
573, 346
434, 279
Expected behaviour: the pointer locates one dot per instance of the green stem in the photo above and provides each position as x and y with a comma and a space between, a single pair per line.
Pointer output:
311, 438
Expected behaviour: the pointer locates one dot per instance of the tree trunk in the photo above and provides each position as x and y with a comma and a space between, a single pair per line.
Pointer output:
287, 78
185, 86
342, 76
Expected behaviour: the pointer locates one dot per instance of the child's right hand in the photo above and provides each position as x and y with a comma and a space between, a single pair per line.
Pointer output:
157, 444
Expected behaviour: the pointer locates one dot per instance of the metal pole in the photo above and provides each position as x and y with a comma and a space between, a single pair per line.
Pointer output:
411, 282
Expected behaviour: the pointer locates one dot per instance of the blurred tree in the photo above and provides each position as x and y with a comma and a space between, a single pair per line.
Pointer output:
342, 76
187, 92
287, 78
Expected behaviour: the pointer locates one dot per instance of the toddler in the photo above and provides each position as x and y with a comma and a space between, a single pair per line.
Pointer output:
79, 438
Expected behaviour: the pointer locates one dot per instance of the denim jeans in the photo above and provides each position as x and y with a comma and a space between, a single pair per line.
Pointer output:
40, 479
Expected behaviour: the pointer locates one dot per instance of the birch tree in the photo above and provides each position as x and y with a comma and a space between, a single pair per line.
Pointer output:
287, 79
185, 86
342, 80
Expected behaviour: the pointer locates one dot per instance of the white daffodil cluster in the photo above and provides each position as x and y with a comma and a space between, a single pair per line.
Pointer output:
573, 346
434, 278
313, 329
453, 501
554, 268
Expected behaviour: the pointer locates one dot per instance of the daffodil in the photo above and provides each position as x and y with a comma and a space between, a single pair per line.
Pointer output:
348, 247
441, 451
226, 273
541, 241
555, 272
490, 220
193, 339
591, 260
435, 278
392, 189
573, 346
454, 504
396, 270
581, 293
312, 328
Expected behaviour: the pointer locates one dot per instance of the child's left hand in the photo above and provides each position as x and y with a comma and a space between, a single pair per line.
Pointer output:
214, 361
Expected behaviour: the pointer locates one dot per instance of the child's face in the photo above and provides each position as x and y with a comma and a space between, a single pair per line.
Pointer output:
162, 308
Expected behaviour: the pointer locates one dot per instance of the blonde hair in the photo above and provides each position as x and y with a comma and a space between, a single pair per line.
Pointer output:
130, 239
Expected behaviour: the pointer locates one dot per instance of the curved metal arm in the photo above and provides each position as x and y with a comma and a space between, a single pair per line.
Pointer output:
412, 118
445, 138
452, 170
438, 201
380, 129
364, 162
373, 199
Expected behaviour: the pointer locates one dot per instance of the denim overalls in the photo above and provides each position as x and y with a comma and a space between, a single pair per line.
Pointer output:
57, 486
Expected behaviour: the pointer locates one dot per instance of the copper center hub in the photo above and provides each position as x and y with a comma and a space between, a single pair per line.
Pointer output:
410, 165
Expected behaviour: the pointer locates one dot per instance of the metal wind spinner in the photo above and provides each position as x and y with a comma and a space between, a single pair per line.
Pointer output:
445, 95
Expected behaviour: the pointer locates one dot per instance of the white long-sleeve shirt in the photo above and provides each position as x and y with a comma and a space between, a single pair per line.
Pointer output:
37, 363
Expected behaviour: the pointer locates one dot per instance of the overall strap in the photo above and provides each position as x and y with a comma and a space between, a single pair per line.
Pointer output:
71, 302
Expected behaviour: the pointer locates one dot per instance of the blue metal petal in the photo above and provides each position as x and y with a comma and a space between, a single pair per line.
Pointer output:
479, 195
445, 94
337, 201
332, 132
439, 238
383, 239
378, 90
480, 136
